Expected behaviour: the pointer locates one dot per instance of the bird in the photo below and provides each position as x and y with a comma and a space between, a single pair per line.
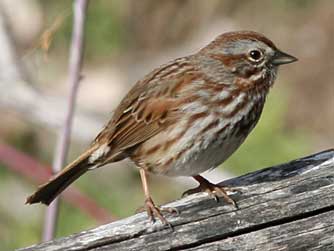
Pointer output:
184, 117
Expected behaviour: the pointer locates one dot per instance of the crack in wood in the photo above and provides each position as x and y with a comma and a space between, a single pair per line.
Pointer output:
257, 228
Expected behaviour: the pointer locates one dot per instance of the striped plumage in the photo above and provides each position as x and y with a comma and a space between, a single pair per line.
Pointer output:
185, 117
212, 121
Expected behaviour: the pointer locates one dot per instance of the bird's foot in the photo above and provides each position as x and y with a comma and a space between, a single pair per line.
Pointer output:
215, 191
154, 212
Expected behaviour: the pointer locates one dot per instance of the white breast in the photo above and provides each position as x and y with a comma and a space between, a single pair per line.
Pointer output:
210, 149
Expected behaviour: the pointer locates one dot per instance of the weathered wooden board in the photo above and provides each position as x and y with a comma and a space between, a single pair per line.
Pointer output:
310, 233
287, 207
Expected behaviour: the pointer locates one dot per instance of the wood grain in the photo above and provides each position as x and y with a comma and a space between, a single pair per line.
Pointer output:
286, 207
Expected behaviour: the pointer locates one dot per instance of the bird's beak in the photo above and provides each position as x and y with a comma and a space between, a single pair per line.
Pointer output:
282, 58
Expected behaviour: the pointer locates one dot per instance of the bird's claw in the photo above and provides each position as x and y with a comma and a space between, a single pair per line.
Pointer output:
154, 211
214, 191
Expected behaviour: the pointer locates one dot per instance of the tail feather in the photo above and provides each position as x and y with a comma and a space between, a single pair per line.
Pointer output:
47, 192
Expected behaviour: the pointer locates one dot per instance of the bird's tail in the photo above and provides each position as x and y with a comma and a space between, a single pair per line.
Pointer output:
47, 192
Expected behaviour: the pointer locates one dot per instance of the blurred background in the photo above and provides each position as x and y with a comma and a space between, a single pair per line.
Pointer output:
125, 39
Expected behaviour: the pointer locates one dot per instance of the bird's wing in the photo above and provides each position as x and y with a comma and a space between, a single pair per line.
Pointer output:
146, 110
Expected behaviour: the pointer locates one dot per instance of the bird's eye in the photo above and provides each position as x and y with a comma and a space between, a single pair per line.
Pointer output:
255, 55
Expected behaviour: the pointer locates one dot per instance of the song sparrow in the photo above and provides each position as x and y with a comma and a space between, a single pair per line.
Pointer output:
185, 117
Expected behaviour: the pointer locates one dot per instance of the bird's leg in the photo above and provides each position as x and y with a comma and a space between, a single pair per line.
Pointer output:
151, 209
214, 190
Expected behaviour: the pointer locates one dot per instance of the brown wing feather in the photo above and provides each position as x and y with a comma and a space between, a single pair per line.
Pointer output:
147, 110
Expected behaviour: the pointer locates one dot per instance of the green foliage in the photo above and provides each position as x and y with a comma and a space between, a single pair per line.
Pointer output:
298, 4
72, 220
104, 35
103, 28
15, 230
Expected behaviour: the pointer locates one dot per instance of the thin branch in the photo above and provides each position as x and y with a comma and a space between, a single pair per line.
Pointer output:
32, 170
75, 63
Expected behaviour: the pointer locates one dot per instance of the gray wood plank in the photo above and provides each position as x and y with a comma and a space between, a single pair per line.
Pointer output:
272, 199
312, 233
